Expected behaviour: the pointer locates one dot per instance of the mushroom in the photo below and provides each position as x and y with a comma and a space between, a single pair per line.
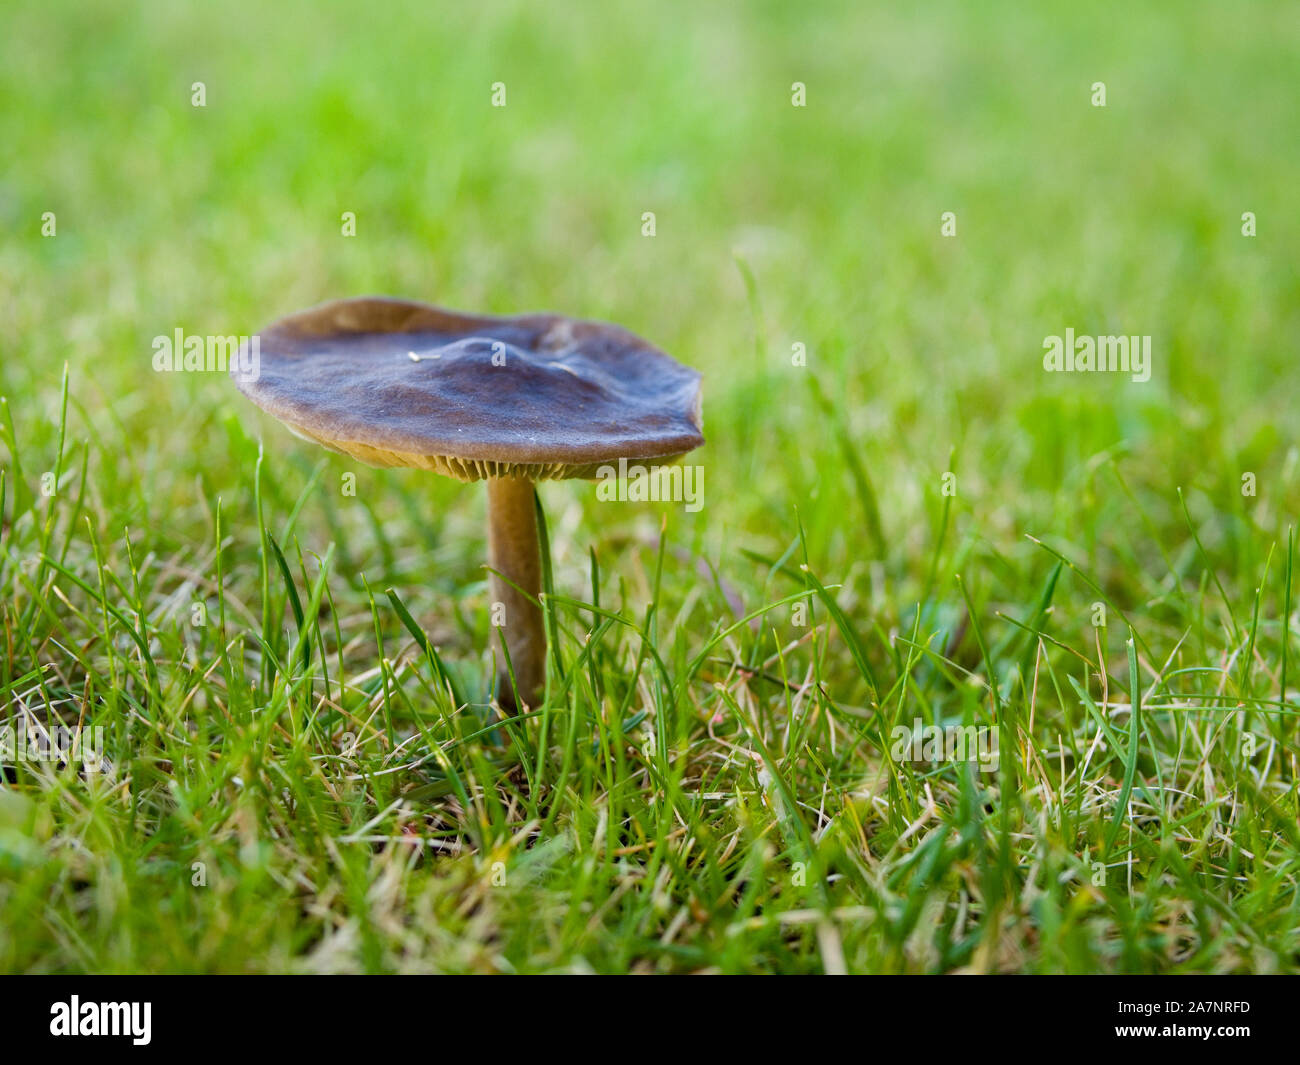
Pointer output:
510, 400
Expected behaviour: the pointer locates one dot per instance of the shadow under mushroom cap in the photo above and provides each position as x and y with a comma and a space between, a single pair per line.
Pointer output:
397, 383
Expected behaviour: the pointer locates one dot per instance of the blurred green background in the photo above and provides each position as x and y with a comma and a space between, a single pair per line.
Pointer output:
1124, 219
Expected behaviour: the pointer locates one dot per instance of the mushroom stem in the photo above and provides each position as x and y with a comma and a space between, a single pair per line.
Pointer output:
513, 552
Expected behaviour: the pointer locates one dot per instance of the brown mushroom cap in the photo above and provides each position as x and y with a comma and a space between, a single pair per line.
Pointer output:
397, 383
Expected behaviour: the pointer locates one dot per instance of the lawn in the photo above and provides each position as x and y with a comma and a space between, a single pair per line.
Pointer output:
867, 222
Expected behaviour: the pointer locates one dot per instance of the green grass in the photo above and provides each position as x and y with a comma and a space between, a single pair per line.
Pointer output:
710, 785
